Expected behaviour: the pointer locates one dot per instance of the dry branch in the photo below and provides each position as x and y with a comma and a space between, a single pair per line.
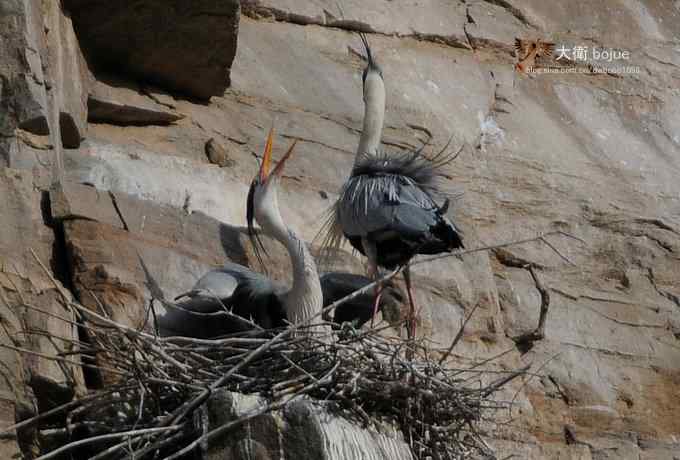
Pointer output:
539, 332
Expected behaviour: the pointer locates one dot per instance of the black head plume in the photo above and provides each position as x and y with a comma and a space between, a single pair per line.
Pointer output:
371, 64
253, 234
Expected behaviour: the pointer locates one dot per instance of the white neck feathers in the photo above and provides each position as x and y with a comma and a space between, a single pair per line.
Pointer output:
374, 115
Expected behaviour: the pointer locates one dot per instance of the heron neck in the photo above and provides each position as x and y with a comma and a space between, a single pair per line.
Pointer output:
374, 116
305, 298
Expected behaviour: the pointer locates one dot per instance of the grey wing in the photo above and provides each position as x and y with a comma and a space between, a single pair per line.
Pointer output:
215, 283
212, 292
253, 282
219, 285
385, 203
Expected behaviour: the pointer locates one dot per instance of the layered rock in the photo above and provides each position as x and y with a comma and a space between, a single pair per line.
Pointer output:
184, 46
43, 78
37, 324
144, 213
303, 429
122, 103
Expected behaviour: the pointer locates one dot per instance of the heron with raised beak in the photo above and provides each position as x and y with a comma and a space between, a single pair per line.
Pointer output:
252, 296
386, 209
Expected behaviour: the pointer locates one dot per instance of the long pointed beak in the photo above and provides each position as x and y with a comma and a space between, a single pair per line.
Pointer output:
265, 174
278, 170
267, 157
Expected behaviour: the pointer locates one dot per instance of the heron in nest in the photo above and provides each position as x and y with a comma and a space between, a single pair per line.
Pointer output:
256, 298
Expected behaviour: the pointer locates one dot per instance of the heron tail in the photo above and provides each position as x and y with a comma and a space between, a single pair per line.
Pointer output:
329, 239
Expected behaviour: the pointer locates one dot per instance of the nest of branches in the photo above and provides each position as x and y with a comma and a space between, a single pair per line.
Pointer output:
158, 387
152, 408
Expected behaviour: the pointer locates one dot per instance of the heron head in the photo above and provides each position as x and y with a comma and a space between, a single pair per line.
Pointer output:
372, 73
263, 205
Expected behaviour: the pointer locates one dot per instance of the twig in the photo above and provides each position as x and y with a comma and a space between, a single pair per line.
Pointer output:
539, 332
103, 437
59, 359
57, 410
463, 252
459, 335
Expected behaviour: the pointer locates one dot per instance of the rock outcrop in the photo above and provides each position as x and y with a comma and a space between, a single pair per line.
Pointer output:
303, 429
185, 46
141, 211
113, 102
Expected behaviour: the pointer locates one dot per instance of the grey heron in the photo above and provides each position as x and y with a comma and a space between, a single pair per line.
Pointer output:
387, 209
252, 295
304, 299
255, 297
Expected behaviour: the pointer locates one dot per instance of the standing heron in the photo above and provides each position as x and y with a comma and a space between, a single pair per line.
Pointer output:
251, 296
387, 208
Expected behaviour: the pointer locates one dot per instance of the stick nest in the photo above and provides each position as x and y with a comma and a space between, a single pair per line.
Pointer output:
158, 387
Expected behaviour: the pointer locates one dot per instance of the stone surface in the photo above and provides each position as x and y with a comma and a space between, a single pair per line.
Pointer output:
121, 103
594, 155
262, 432
44, 78
490, 25
302, 429
312, 431
67, 76
123, 252
435, 20
24, 100
30, 381
187, 47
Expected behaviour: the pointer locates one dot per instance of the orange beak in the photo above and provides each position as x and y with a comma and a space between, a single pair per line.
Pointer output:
265, 174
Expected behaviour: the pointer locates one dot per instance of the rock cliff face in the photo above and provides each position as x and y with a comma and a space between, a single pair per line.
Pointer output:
113, 102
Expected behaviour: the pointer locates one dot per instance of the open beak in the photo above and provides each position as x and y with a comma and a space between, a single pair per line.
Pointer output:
264, 176
265, 167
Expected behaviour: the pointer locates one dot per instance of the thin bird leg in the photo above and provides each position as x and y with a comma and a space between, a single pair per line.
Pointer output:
411, 322
376, 303
373, 273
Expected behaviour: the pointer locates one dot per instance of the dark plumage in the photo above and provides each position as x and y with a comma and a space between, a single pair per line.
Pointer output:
388, 201
254, 297
359, 310
244, 292
387, 208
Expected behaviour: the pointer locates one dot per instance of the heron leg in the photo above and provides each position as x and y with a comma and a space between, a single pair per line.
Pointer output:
411, 321
373, 272
376, 304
